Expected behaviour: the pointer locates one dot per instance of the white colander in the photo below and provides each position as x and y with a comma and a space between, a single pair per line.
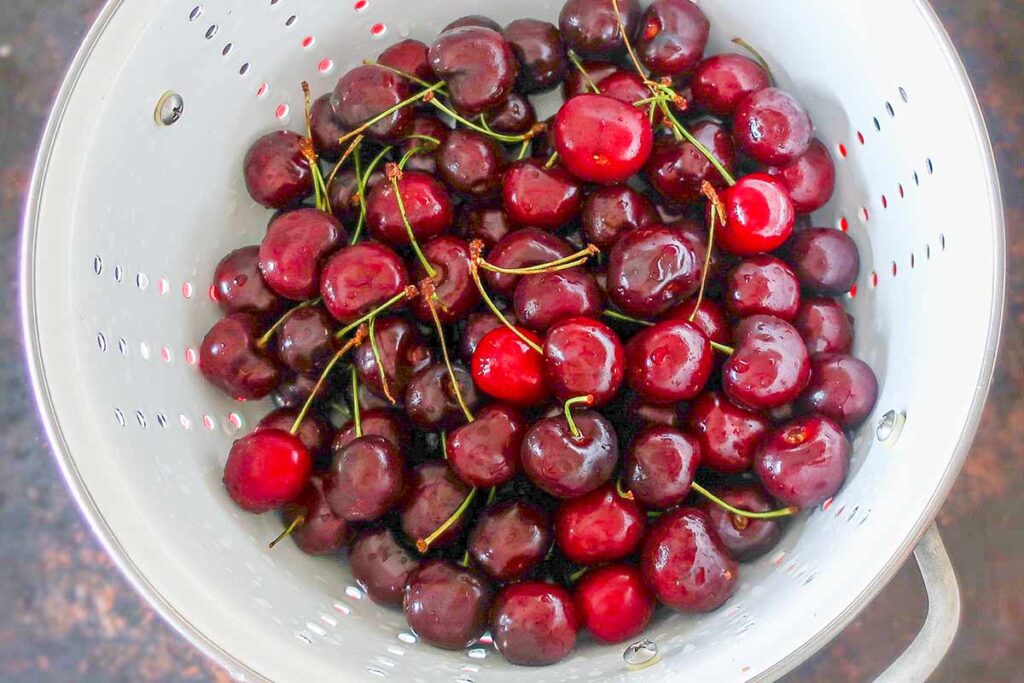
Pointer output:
128, 216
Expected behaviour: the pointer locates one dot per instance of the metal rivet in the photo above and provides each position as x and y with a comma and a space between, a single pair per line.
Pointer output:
890, 426
169, 109
641, 654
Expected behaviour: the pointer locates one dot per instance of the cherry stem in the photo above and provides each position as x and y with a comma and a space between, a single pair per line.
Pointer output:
447, 360
551, 160
585, 400
394, 173
407, 293
623, 491
728, 350
758, 57
707, 252
681, 130
356, 420
426, 138
484, 131
356, 142
474, 270
483, 123
523, 150
295, 524
575, 576
364, 179
772, 514
444, 445
615, 315
404, 74
349, 345
591, 85
380, 364
391, 110
629, 44
418, 149
269, 334
319, 187
570, 261
423, 544
491, 494
464, 562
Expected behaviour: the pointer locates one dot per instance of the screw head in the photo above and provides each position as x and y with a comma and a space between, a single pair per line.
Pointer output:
169, 108
890, 427
641, 654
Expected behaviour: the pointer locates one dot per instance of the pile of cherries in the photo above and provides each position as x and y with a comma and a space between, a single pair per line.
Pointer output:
540, 376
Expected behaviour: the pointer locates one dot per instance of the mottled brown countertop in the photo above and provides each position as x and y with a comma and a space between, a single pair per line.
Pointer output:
66, 614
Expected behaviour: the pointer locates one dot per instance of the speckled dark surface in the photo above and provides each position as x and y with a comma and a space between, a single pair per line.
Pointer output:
66, 614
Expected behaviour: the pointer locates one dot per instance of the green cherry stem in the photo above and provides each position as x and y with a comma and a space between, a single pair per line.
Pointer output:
423, 544
380, 364
407, 293
480, 129
575, 59
474, 271
356, 420
681, 130
523, 150
425, 138
491, 494
364, 180
585, 400
706, 187
391, 110
727, 350
444, 445
622, 490
551, 160
355, 341
444, 353
269, 334
404, 74
575, 576
394, 173
772, 514
354, 146
757, 57
571, 261
615, 315
295, 524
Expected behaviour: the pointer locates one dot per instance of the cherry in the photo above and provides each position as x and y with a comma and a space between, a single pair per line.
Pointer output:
343, 193
695, 233
677, 169
383, 422
401, 351
277, 172
305, 340
485, 452
521, 249
669, 362
770, 366
601, 139
538, 46
447, 605
477, 325
326, 131
266, 470
728, 434
239, 286
514, 116
381, 565
368, 91
314, 432
358, 279
433, 494
510, 539
685, 563
428, 208
583, 357
478, 66
600, 526
230, 359
762, 284
745, 538
722, 81
408, 56
759, 216
471, 163
624, 86
567, 465
534, 623
292, 391
430, 399
546, 198
579, 81
771, 127
485, 222
542, 300
710, 319
650, 269
507, 368
842, 387
825, 326
672, 37
641, 414
610, 211
424, 158
456, 292
591, 27
660, 466
319, 531
804, 463
614, 603
810, 178
294, 248
366, 479
825, 260
473, 20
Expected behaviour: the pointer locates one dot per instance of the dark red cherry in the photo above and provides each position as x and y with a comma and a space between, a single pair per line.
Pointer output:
366, 479
473, 20
568, 466
471, 163
230, 360
762, 284
476, 327
685, 563
453, 284
728, 434
600, 526
478, 66
641, 414
722, 81
305, 341
810, 178
804, 463
695, 233
239, 286
669, 362
651, 269
534, 623
447, 605
320, 532
425, 159
672, 37
677, 169
521, 249
772, 128
326, 129
624, 86
660, 466
485, 222
538, 46
277, 172
294, 248
359, 278
292, 391
428, 208
514, 116
759, 216
546, 198
485, 452
591, 27
266, 470
314, 432
770, 366
507, 368
343, 193
583, 357
842, 387
367, 91
381, 565
745, 538
430, 398
433, 494
710, 319
509, 539
577, 83
544, 299
601, 139
825, 326
383, 422
610, 211
402, 352
408, 56
826, 260
614, 603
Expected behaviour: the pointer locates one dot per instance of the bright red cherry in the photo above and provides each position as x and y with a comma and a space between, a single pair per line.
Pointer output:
584, 357
507, 368
534, 623
601, 139
804, 463
669, 362
266, 470
599, 527
614, 603
314, 432
772, 127
759, 216
546, 198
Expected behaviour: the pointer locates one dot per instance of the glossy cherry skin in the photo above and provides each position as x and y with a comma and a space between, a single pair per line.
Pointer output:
473, 20
650, 270
381, 565
728, 434
508, 369
343, 193
292, 391
314, 432
677, 169
239, 285
452, 282
485, 452
721, 82
424, 158
428, 207
842, 387
759, 216
447, 605
305, 341
476, 327
601, 139
669, 362
772, 128
485, 222
408, 56
402, 350
672, 37
368, 90
614, 603
624, 86
685, 563
567, 466
577, 83
542, 300
695, 233
521, 249
294, 249
584, 357
366, 479
770, 366
266, 470
825, 326
608, 212
600, 526
510, 539
762, 284
471, 163
805, 462
538, 46
430, 399
534, 623
514, 116
745, 538
660, 466
810, 178
276, 169
433, 494
591, 27
546, 198
230, 360
326, 129
383, 422
478, 65
359, 278
826, 260
321, 532
710, 319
